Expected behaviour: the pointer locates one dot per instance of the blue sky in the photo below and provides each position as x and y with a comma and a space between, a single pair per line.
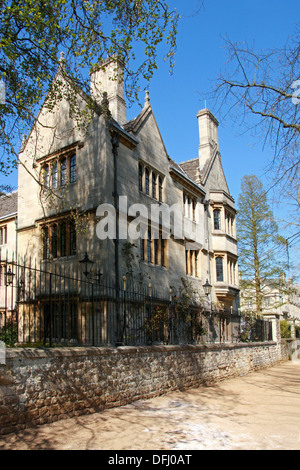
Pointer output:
200, 57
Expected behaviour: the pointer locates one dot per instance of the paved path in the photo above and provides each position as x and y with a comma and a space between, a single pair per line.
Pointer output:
258, 411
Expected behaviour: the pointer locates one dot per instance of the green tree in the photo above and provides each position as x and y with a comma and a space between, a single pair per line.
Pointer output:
33, 33
258, 240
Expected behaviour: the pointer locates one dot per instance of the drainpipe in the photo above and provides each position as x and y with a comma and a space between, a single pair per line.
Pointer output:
206, 208
16, 245
115, 145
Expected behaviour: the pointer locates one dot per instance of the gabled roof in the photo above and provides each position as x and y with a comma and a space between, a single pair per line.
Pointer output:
9, 205
191, 168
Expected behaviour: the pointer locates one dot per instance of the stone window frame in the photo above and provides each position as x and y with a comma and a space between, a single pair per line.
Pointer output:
58, 239
218, 267
3, 235
151, 181
56, 162
192, 263
153, 250
189, 205
231, 270
217, 218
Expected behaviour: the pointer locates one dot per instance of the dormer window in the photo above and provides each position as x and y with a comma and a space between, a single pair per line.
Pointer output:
150, 182
189, 205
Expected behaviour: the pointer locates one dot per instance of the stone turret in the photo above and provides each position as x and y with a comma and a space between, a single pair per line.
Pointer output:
109, 78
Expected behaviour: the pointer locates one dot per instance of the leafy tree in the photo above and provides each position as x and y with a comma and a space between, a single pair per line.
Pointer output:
259, 242
33, 33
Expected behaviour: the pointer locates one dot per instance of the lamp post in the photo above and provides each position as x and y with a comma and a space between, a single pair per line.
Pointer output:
207, 288
86, 265
9, 277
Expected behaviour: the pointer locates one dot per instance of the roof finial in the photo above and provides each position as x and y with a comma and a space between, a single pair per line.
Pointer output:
147, 97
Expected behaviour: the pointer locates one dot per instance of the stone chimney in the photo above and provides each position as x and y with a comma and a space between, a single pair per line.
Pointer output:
109, 78
208, 133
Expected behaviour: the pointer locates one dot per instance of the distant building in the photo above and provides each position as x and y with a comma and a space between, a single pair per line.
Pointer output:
8, 246
280, 297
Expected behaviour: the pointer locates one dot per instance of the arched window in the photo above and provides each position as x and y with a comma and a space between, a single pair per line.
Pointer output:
219, 269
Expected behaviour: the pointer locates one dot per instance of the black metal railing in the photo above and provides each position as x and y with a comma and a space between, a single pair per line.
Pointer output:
54, 306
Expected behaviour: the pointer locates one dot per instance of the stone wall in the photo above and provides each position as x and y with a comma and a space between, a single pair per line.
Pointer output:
39, 386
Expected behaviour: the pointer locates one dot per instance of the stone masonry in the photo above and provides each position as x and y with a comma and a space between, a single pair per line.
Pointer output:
39, 386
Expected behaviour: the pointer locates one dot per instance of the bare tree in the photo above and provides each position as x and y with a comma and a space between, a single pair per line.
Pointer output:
261, 91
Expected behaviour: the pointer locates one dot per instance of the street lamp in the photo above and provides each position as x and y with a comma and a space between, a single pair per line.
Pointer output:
9, 275
207, 288
86, 265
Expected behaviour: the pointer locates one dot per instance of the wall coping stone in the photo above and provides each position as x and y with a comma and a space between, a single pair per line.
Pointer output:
35, 353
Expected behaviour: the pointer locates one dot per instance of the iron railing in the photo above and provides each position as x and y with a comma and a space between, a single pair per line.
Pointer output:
56, 307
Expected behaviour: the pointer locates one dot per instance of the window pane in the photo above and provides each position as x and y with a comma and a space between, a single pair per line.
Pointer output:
154, 185
45, 243
63, 240
142, 249
219, 268
147, 181
54, 175
72, 239
140, 177
54, 241
217, 219
149, 247
46, 176
160, 189
63, 172
73, 168
162, 251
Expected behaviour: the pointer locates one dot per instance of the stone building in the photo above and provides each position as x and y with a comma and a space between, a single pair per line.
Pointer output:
8, 247
78, 183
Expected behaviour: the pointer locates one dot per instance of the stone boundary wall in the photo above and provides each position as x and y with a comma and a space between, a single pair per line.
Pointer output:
39, 386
